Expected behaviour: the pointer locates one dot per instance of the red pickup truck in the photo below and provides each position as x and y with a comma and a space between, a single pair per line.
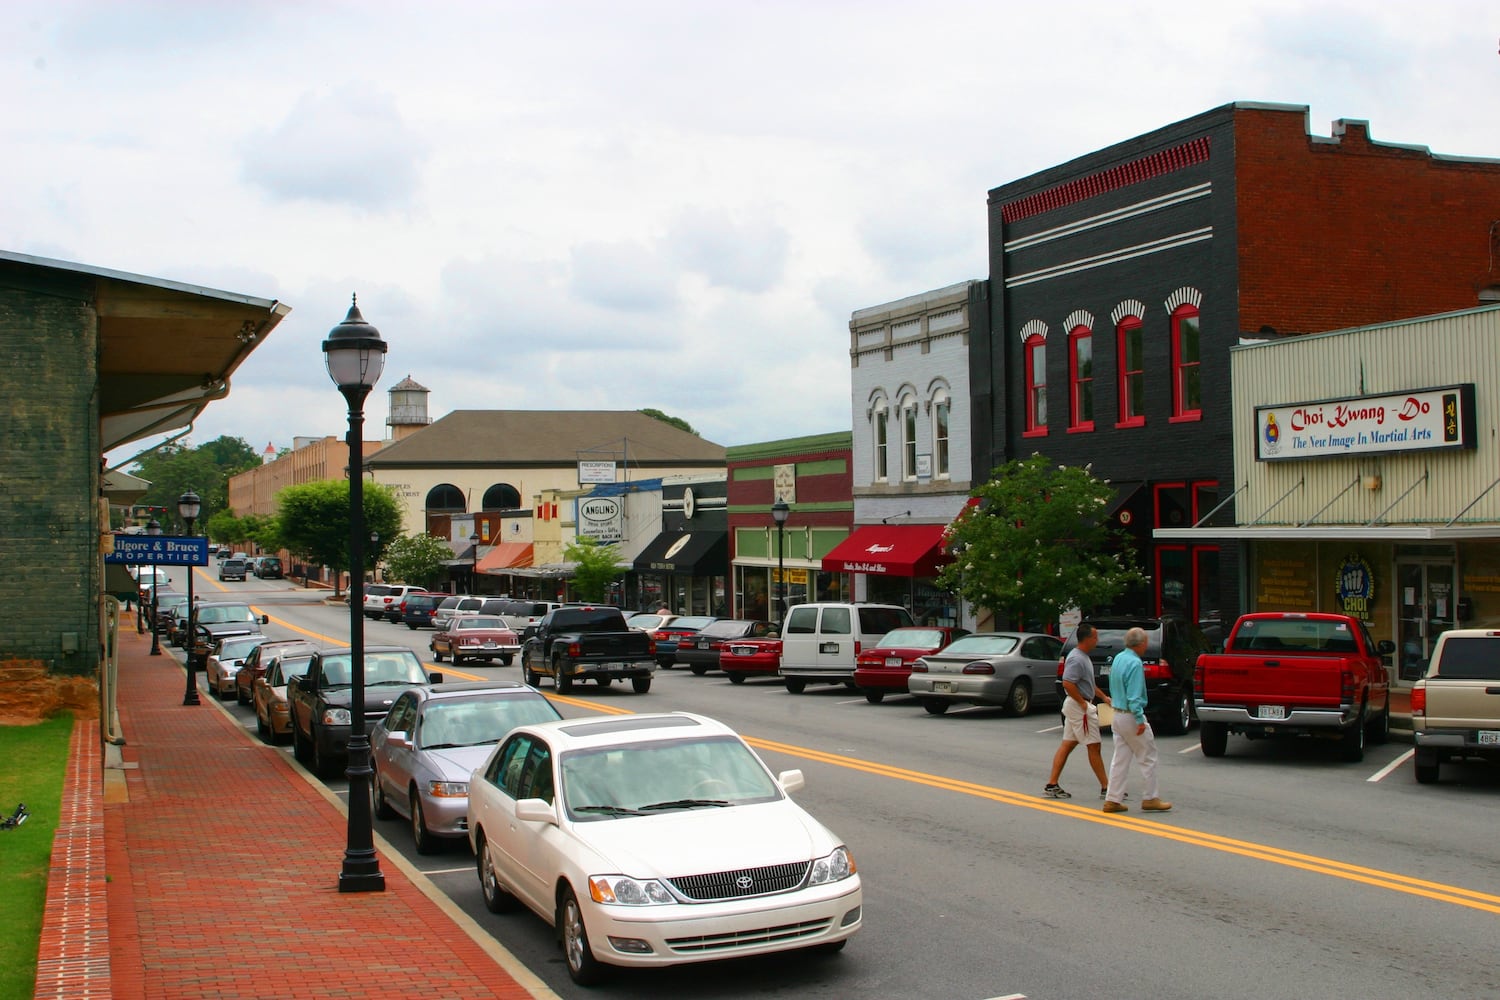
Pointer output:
1294, 674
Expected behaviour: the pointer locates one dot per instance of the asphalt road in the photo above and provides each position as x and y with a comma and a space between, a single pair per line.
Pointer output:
1281, 873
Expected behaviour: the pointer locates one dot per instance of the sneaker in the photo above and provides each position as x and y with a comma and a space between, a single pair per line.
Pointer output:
1055, 792
1156, 805
1115, 807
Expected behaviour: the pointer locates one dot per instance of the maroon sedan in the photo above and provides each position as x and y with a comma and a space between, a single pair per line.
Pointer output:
476, 637
884, 667
741, 658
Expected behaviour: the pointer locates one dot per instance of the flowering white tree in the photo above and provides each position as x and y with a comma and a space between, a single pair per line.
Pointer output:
1038, 544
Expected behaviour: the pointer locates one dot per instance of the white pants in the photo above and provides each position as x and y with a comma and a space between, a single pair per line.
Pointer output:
1128, 745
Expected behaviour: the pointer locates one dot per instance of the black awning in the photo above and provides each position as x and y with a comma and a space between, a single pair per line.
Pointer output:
699, 553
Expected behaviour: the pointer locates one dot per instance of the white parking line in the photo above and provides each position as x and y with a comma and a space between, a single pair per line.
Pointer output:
447, 871
1392, 765
1050, 729
852, 701
1192, 749
1011, 996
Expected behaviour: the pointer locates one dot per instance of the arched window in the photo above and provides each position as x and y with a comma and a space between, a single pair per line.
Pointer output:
1035, 351
942, 413
1187, 386
501, 496
880, 437
1131, 354
909, 437
1081, 379
445, 498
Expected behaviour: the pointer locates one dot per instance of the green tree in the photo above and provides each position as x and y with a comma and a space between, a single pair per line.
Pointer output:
419, 560
597, 567
312, 522
677, 422
1039, 544
175, 468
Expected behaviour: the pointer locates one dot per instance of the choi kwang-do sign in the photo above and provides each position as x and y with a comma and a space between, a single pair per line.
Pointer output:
1363, 425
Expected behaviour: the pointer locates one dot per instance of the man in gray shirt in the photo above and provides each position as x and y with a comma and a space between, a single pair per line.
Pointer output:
1080, 716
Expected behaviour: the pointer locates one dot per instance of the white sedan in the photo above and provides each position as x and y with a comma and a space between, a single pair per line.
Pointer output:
651, 840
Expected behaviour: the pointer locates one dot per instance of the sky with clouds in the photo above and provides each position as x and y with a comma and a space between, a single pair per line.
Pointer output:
669, 204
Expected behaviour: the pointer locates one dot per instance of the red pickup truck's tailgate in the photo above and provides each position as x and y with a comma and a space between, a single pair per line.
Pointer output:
1252, 679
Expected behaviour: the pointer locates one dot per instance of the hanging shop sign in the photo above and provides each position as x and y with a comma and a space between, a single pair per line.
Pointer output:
601, 518
1421, 420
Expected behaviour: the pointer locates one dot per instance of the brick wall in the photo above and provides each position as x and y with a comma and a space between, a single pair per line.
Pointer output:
1339, 232
49, 456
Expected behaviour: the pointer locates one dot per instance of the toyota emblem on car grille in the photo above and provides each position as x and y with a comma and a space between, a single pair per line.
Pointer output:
744, 883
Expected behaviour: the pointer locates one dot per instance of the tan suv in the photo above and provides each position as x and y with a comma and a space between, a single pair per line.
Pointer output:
1455, 708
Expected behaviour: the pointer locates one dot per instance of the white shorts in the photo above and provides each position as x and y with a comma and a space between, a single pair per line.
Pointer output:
1078, 726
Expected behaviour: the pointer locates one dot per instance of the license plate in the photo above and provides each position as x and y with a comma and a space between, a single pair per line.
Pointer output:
943, 687
1489, 737
893, 661
741, 650
492, 645
1271, 712
703, 643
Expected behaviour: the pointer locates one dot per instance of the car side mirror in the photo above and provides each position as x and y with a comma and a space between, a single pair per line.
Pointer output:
791, 781
265, 619
529, 632
1386, 647
536, 811
435, 677
398, 739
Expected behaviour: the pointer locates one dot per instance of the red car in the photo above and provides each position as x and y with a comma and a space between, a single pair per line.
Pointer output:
476, 637
884, 667
744, 657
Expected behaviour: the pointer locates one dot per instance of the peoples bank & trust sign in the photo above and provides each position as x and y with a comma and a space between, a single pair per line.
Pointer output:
1424, 419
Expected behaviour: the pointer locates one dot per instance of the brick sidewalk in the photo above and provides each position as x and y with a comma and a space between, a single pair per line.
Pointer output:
223, 860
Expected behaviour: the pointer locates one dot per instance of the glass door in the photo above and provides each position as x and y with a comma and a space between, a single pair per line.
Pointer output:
1426, 605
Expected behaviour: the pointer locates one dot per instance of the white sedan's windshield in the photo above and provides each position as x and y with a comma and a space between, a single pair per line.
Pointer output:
219, 616
641, 779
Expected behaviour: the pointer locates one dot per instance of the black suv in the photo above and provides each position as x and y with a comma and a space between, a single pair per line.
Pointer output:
416, 611
268, 568
1172, 648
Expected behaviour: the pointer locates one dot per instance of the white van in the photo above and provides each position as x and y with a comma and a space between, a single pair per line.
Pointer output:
819, 642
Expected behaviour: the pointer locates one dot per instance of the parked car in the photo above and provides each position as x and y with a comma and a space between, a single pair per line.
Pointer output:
519, 612
233, 569
1015, 670
1172, 648
322, 700
1454, 709
582, 642
655, 840
273, 718
256, 663
751, 657
380, 596
429, 743
476, 637
649, 621
167, 604
703, 650
667, 636
268, 568
216, 620
819, 642
415, 610
883, 668
223, 664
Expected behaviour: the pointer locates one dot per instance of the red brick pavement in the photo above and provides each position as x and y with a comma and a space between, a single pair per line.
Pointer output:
223, 867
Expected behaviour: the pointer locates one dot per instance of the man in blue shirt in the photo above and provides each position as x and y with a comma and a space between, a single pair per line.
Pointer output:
1132, 733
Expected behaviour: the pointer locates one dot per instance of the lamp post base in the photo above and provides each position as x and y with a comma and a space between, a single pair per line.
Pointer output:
361, 875
190, 693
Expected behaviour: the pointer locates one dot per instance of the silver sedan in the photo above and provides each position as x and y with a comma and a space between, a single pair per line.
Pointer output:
429, 743
1015, 670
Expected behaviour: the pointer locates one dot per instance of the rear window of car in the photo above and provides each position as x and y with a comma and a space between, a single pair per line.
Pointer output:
1469, 658
912, 637
879, 621
376, 590
984, 645
588, 619
449, 603
1295, 635
421, 602
494, 606
691, 624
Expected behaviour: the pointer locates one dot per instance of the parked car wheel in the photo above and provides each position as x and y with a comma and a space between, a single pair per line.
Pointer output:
1352, 745
1427, 767
1379, 730
699, 671
735, 677
874, 697
507, 659
564, 682
1019, 700
1214, 737
795, 685
1179, 716
640, 685
422, 838
496, 899
528, 675
261, 729
438, 657
299, 746
324, 766
583, 967
379, 804
935, 706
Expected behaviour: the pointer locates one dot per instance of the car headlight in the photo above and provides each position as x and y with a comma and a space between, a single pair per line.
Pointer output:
336, 717
834, 868
448, 789
628, 891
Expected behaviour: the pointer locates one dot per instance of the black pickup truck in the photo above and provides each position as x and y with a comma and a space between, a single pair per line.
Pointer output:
587, 643
321, 700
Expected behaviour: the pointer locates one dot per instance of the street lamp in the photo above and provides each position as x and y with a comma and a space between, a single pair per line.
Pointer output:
473, 562
188, 506
154, 529
355, 356
779, 513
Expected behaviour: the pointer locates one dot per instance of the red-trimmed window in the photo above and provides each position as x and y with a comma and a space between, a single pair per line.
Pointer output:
1187, 389
1081, 379
1131, 351
1036, 386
